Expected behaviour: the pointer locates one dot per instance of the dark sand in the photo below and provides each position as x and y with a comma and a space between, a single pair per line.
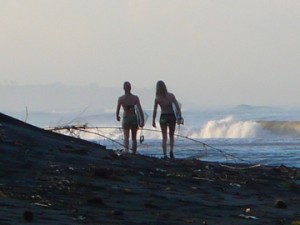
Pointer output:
47, 178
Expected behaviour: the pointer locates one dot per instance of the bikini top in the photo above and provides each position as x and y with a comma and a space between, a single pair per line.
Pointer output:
130, 107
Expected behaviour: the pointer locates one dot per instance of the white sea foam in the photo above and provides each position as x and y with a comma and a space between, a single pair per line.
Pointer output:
228, 128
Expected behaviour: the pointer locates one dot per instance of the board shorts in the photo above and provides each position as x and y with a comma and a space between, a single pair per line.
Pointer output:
167, 119
130, 122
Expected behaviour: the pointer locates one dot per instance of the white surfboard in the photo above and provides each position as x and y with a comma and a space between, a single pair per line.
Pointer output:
179, 119
139, 116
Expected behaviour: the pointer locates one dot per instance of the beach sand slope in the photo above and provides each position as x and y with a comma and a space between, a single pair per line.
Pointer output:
49, 178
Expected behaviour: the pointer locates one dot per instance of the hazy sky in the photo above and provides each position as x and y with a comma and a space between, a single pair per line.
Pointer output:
211, 51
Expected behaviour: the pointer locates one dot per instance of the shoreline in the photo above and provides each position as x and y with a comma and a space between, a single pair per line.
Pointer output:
48, 178
229, 151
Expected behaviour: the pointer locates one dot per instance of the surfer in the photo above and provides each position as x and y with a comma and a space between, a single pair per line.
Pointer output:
169, 115
130, 104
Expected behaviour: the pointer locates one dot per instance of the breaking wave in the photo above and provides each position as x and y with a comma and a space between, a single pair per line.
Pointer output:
230, 128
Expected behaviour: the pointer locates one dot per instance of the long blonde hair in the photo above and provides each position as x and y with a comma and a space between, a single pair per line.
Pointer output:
161, 88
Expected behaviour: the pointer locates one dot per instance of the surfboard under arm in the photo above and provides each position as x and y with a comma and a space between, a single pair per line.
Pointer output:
139, 116
177, 114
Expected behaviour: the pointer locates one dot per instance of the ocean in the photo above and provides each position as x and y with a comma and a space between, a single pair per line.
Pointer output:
240, 134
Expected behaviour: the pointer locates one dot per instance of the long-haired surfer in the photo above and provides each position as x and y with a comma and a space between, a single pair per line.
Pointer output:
130, 103
168, 117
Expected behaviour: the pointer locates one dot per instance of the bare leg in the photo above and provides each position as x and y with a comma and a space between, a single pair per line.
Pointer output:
126, 139
134, 142
164, 138
172, 142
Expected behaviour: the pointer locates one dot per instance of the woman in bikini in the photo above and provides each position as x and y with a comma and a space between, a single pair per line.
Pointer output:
128, 101
167, 119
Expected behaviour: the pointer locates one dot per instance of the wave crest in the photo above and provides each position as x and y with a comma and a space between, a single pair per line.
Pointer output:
230, 128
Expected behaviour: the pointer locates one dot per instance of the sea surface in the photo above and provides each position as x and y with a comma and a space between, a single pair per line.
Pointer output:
240, 134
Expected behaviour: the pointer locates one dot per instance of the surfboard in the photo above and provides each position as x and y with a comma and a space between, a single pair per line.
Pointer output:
139, 116
179, 119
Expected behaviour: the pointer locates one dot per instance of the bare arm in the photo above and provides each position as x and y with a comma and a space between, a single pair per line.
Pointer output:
118, 110
154, 113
